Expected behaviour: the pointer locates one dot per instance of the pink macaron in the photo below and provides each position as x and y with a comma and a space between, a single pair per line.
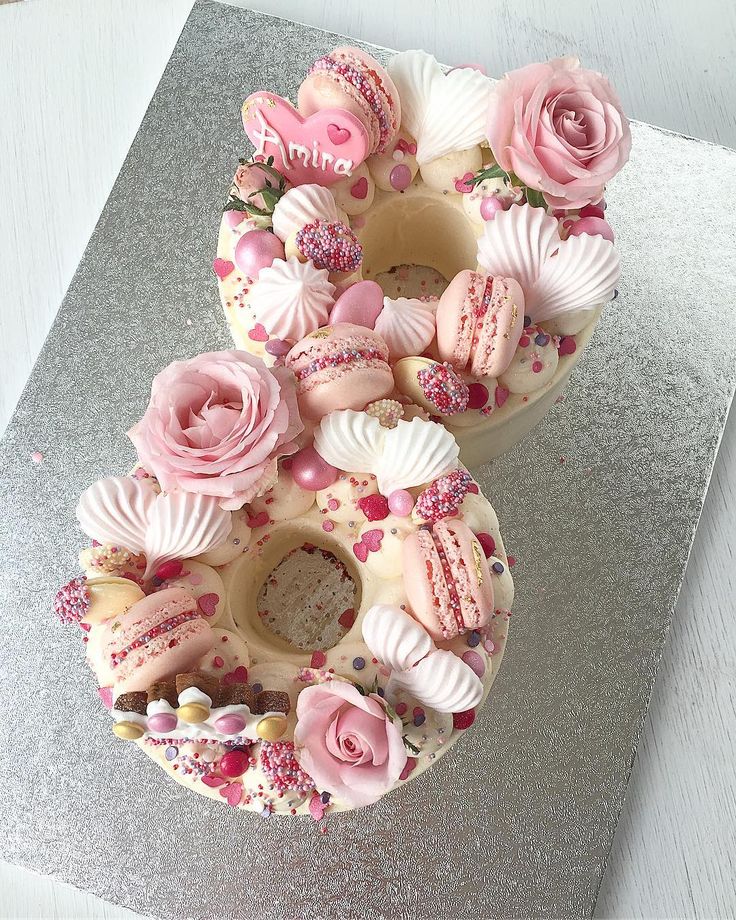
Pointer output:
339, 367
447, 580
479, 322
160, 636
348, 78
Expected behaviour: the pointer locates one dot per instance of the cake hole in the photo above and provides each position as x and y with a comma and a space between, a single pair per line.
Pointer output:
420, 281
420, 236
309, 599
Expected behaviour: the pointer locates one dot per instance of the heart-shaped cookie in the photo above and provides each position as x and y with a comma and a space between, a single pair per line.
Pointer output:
321, 149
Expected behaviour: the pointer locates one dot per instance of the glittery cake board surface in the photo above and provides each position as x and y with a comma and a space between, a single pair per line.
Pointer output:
599, 505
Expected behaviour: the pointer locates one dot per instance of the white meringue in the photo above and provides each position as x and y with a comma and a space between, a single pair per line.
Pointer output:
292, 298
441, 680
300, 206
443, 111
558, 277
350, 440
415, 452
395, 638
127, 512
406, 325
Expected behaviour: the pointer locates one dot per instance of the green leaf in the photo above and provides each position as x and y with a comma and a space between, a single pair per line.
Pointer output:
235, 204
412, 747
492, 172
535, 198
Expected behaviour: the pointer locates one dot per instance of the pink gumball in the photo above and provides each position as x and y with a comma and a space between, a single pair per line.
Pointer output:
257, 249
401, 502
310, 471
593, 226
490, 206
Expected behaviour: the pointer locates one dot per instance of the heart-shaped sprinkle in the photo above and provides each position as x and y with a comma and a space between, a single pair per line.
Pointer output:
258, 333
361, 551
360, 189
207, 603
319, 659
222, 267
347, 618
105, 694
212, 781
238, 676
317, 807
372, 539
337, 134
464, 185
258, 520
502, 394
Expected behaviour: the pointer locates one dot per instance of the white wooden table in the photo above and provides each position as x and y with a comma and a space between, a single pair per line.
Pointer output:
75, 79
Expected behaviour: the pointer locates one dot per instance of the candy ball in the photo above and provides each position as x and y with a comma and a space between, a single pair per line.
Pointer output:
490, 206
257, 249
162, 722
230, 724
594, 226
234, 763
401, 502
310, 471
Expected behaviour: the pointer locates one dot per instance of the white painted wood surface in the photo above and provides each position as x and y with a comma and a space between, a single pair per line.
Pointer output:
75, 79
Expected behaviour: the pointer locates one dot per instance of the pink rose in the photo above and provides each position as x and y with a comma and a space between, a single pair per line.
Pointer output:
560, 129
216, 424
347, 742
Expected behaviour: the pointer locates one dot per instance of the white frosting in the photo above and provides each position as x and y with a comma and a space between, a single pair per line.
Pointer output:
291, 298
129, 513
443, 111
408, 455
406, 325
300, 206
558, 276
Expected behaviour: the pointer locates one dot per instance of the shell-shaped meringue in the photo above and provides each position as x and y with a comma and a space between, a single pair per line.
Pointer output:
443, 111
406, 325
350, 440
395, 638
116, 510
182, 525
300, 206
292, 298
582, 275
517, 243
441, 681
415, 452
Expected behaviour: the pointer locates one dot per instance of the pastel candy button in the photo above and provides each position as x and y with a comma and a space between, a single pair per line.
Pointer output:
271, 728
162, 722
360, 304
194, 713
128, 731
230, 724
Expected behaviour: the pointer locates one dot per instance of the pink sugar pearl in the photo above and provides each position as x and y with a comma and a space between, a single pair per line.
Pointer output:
311, 472
257, 249
401, 502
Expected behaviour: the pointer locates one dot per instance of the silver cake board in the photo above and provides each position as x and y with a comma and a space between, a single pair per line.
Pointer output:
599, 505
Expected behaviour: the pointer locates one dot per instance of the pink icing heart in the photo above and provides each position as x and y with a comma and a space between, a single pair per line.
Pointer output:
323, 148
338, 135
360, 189
360, 304
372, 539
463, 185
258, 333
568, 346
106, 696
207, 603
361, 551
238, 676
258, 520
212, 781
317, 807
222, 268
502, 394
